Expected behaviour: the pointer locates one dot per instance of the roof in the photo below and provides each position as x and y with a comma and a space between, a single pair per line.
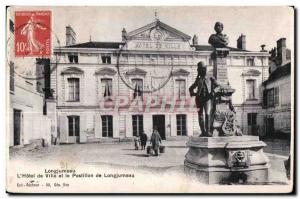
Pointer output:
115, 45
281, 71
93, 44
210, 48
160, 24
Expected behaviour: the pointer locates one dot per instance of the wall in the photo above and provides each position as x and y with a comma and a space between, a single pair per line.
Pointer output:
157, 66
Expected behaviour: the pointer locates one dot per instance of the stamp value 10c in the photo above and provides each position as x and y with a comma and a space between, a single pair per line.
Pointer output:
32, 33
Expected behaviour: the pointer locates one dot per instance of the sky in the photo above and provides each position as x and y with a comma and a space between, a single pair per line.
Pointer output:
261, 25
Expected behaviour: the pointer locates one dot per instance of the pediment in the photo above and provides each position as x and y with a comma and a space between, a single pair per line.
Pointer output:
251, 72
180, 72
72, 70
105, 71
136, 71
157, 31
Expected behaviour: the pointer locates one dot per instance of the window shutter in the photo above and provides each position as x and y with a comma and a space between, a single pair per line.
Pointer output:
276, 97
77, 90
77, 125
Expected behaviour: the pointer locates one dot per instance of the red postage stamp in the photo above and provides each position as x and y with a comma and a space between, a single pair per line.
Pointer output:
32, 33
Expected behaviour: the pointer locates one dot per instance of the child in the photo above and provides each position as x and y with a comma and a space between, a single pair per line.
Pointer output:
137, 143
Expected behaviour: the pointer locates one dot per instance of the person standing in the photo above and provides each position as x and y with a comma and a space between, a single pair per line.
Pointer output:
155, 140
144, 139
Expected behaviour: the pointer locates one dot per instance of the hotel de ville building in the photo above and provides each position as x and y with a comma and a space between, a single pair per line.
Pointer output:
118, 89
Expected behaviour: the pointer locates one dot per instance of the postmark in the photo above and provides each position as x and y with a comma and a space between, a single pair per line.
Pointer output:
33, 37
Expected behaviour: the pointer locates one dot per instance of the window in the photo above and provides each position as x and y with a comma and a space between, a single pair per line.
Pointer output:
137, 124
138, 87
106, 85
11, 26
106, 59
74, 125
250, 62
73, 58
181, 125
107, 126
180, 88
271, 99
251, 84
73, 89
265, 98
11, 76
252, 119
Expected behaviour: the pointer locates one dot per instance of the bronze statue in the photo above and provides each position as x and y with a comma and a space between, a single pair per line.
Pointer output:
218, 40
203, 97
209, 93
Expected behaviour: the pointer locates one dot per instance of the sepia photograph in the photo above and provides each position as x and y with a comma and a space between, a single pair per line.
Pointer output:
150, 99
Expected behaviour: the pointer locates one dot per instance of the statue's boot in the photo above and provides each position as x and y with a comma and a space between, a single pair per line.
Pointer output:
202, 127
208, 126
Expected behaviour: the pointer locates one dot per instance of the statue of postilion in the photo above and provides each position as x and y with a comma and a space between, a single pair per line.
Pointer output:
211, 95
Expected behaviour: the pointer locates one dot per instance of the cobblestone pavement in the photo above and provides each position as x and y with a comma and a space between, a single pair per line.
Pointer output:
277, 146
123, 155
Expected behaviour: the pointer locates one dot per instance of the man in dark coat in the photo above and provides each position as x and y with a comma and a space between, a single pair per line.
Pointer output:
203, 96
144, 139
155, 141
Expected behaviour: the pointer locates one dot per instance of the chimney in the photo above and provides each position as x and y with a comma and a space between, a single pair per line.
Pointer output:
124, 35
281, 51
195, 40
70, 36
273, 53
241, 42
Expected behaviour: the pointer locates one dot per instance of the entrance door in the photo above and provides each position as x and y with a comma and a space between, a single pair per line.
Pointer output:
270, 127
159, 123
17, 127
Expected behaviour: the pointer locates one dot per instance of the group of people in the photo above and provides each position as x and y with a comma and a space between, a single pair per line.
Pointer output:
142, 139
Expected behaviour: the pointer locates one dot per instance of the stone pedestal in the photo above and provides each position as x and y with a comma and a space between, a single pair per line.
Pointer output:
219, 57
235, 159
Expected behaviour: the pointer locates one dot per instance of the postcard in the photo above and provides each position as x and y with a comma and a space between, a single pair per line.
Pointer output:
141, 99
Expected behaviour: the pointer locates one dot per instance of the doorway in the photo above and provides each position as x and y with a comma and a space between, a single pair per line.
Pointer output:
159, 123
17, 126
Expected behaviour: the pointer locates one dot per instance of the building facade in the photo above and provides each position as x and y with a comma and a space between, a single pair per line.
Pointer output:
278, 93
118, 89
27, 117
